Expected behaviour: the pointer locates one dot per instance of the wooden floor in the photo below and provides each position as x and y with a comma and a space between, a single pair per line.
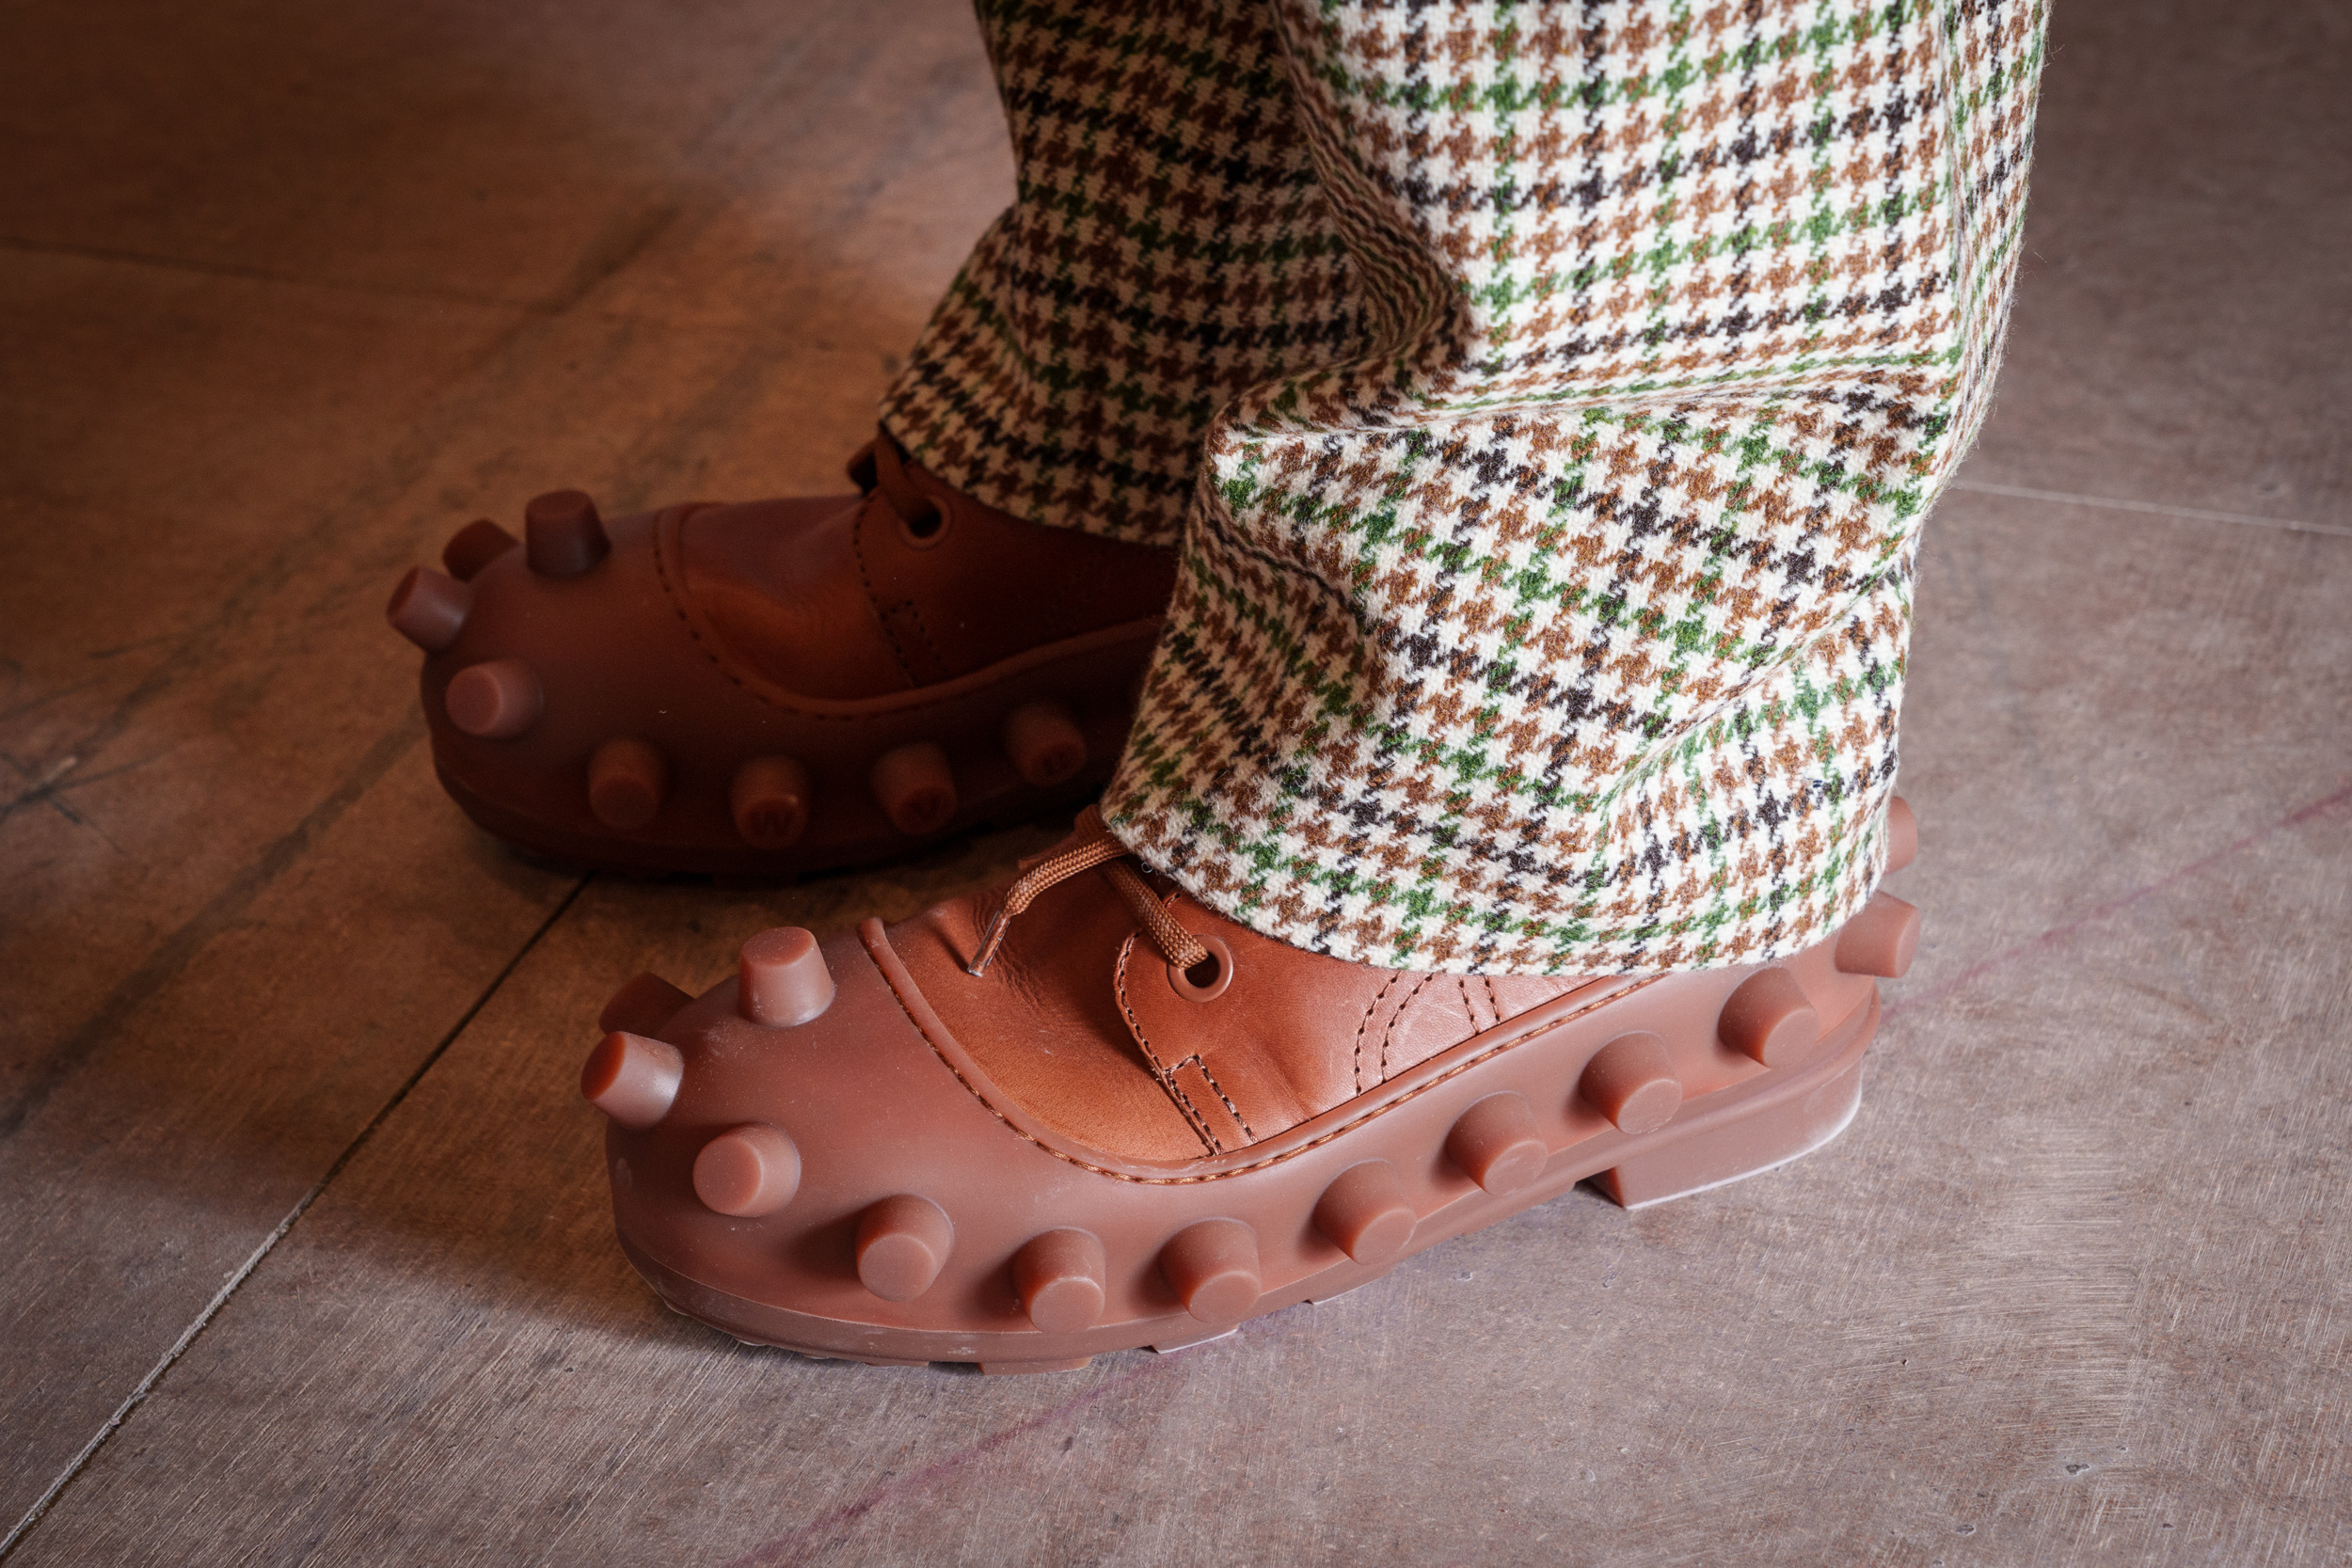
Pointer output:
304, 1248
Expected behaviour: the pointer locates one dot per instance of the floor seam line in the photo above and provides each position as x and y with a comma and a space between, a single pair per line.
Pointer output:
395, 473
2116, 503
203, 1319
171, 956
201, 268
2120, 902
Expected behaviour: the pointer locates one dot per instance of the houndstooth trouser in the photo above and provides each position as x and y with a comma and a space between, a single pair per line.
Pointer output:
1546, 400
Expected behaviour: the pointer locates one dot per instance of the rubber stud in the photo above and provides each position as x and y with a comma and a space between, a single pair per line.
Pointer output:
1059, 1278
644, 1006
1880, 940
770, 800
1632, 1081
627, 780
496, 701
474, 547
748, 1171
562, 536
1497, 1143
1902, 834
1365, 1212
902, 1243
428, 609
1769, 1019
632, 1078
916, 791
1212, 1267
782, 977
1044, 742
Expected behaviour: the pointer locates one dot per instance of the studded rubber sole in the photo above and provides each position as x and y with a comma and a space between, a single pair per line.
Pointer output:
1759, 1128
586, 711
538, 840
919, 1215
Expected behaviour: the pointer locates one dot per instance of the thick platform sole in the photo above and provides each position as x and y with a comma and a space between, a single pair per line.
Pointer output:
1741, 1131
872, 779
740, 864
592, 717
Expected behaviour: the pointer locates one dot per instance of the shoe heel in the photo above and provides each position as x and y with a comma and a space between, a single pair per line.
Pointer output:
1747, 1146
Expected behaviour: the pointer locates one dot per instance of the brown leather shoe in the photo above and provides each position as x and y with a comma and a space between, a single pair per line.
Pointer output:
1139, 1124
781, 685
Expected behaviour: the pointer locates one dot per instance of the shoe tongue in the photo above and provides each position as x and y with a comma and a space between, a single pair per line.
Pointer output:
895, 477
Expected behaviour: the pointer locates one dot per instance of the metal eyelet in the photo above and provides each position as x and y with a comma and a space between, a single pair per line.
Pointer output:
926, 531
1185, 984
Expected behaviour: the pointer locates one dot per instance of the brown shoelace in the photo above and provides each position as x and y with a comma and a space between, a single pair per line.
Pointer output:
1092, 847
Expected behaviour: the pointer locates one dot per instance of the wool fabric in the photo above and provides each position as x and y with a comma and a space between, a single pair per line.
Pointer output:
1544, 401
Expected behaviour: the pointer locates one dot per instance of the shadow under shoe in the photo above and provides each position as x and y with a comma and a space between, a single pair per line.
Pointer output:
777, 687
1085, 1114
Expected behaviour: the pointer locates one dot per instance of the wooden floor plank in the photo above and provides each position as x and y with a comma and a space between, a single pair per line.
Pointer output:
189, 747
2083, 1239
238, 914
2069, 1291
2179, 341
450, 151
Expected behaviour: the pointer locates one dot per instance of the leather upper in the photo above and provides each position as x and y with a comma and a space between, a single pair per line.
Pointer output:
1077, 1020
908, 585
777, 652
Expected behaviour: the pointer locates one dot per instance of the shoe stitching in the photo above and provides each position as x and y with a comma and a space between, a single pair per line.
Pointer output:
881, 616
1388, 1034
913, 615
1166, 1075
1343, 1129
1194, 1060
1370, 1012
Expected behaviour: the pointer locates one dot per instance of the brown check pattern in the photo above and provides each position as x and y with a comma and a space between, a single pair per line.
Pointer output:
1169, 249
1553, 617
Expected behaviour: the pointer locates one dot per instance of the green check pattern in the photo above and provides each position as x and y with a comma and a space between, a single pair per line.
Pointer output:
1168, 249
1558, 445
